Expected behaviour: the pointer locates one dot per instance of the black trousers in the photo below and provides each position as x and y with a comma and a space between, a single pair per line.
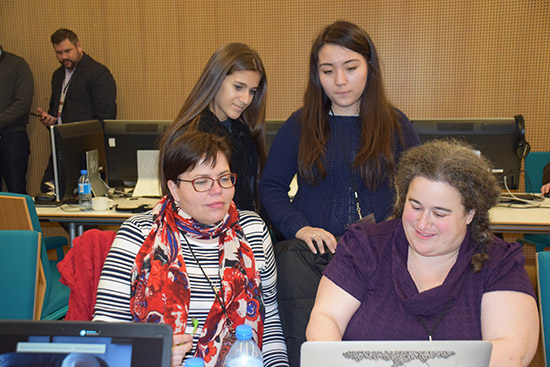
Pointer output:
14, 160
299, 272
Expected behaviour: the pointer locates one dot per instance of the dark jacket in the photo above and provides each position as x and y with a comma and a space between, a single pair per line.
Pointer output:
244, 157
91, 94
16, 91
546, 174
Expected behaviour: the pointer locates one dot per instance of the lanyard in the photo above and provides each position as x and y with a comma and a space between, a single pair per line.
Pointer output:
63, 95
349, 163
214, 289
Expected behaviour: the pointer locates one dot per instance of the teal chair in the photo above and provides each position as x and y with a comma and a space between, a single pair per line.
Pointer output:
533, 165
17, 212
19, 269
54, 242
543, 283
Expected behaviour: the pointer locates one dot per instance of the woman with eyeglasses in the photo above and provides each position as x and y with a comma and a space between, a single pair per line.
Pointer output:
195, 262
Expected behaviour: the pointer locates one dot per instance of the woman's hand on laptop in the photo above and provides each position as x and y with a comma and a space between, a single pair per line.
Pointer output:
181, 344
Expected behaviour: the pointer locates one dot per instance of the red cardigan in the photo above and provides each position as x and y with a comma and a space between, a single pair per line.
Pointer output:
80, 271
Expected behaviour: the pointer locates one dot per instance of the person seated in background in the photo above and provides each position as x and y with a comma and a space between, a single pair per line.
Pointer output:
434, 271
195, 257
545, 189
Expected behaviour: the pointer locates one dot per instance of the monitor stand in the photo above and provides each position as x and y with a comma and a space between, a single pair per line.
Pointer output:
56, 184
99, 187
147, 184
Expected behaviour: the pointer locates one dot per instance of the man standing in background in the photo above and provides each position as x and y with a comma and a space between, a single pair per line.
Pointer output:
16, 92
82, 89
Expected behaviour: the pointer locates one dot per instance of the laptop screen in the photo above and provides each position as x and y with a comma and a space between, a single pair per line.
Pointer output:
70, 343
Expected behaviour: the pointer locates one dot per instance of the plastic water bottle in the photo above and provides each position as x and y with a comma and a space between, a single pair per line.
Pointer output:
244, 352
84, 192
194, 362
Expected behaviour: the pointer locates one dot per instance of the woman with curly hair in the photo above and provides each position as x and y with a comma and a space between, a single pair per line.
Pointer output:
434, 271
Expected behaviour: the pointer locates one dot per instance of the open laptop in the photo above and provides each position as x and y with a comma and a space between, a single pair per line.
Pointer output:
441, 353
56, 343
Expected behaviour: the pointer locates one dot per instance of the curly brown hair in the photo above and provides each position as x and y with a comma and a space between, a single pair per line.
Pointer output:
458, 165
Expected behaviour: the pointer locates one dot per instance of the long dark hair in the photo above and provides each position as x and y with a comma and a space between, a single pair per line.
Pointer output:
379, 119
228, 59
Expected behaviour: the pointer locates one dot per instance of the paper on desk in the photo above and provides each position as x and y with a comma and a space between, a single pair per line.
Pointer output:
147, 183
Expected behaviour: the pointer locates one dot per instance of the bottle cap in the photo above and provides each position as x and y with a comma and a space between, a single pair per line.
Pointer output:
243, 332
83, 172
194, 362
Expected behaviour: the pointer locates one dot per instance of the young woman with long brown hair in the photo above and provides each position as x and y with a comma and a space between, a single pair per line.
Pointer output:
343, 144
229, 100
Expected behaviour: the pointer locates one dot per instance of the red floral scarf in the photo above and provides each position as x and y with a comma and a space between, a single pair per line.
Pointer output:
160, 290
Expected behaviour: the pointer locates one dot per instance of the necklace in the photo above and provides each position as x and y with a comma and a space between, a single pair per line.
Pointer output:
422, 288
430, 332
349, 156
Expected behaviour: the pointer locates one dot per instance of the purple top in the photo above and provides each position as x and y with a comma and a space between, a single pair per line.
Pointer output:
371, 265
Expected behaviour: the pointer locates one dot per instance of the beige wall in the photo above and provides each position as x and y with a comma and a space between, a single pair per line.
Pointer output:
442, 58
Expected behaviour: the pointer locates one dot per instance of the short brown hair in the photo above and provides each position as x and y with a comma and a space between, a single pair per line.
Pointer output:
62, 34
186, 151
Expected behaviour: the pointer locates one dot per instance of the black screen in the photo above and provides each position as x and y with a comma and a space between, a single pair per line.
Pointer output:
496, 139
70, 142
123, 138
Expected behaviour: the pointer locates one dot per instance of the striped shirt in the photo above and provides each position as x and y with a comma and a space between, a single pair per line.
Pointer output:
113, 292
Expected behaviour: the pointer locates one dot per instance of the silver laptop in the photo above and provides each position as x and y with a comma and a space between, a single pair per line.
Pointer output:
76, 343
396, 353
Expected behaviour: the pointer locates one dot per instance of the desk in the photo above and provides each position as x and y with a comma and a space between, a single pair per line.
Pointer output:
76, 219
503, 219
521, 220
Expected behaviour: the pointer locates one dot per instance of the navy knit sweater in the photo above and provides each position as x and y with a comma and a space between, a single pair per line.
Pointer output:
330, 204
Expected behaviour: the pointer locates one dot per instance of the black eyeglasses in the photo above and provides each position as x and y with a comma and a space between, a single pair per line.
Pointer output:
202, 184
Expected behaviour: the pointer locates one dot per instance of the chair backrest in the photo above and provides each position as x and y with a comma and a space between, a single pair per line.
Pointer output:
17, 212
534, 164
543, 285
20, 272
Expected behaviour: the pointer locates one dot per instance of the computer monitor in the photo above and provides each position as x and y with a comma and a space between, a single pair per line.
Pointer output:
500, 140
272, 128
123, 138
70, 142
